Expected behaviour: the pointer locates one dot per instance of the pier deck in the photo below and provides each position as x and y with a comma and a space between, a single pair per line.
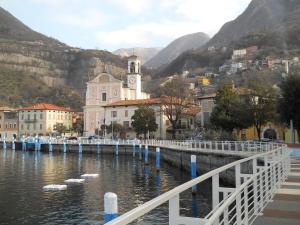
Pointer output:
285, 209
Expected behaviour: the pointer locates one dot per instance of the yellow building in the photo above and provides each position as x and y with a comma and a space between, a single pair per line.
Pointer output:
202, 80
42, 119
269, 131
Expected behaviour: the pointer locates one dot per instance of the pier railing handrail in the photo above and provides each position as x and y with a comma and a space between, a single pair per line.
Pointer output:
187, 145
269, 177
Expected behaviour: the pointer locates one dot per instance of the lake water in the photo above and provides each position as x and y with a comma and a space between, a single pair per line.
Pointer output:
23, 175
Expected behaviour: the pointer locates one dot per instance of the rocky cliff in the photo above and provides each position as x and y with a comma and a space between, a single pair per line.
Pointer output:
48, 62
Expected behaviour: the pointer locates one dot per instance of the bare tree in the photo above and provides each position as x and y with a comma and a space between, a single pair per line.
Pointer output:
175, 99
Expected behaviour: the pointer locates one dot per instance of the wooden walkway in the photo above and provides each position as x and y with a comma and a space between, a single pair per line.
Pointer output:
285, 209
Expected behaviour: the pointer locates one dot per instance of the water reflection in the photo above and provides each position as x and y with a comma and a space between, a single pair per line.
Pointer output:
24, 202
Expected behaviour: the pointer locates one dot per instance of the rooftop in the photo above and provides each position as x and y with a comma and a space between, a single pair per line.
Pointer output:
6, 109
44, 106
151, 101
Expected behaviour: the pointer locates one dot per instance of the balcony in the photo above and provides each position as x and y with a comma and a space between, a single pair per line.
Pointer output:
30, 120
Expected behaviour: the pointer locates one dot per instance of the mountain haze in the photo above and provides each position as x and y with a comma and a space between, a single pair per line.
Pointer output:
175, 48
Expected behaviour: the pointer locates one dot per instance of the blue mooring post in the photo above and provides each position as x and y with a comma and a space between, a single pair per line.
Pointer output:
117, 148
36, 145
193, 172
157, 159
110, 206
133, 149
98, 148
13, 145
140, 151
23, 145
65, 147
79, 148
4, 144
50, 147
146, 154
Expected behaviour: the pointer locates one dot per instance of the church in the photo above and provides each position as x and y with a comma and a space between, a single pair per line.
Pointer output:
104, 89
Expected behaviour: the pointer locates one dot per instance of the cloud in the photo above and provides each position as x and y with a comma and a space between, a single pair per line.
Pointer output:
133, 6
145, 34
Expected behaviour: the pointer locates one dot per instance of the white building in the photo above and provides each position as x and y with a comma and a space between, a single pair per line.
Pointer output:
105, 89
8, 123
121, 112
42, 119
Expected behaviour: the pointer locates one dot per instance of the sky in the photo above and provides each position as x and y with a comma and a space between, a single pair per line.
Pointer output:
114, 24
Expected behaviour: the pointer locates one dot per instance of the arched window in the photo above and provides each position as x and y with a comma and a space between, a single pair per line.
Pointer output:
132, 67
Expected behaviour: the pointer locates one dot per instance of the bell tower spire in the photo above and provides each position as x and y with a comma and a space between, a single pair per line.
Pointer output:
134, 76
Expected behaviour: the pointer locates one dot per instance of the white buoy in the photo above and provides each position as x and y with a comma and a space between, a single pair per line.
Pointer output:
74, 181
55, 187
110, 206
90, 175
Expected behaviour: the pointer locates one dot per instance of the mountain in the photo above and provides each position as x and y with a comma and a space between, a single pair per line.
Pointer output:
174, 49
272, 25
260, 16
144, 54
36, 68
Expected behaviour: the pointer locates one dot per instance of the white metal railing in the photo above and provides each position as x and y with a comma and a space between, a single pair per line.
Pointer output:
232, 147
239, 205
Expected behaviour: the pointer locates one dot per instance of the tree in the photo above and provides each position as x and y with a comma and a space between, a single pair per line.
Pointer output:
230, 111
176, 99
60, 128
112, 128
262, 105
289, 104
144, 121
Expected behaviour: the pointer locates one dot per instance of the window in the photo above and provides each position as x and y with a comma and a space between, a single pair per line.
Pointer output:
167, 122
22, 127
113, 114
126, 124
103, 97
0, 125
41, 126
41, 116
34, 116
28, 116
10, 125
126, 113
0, 117
6, 126
22, 117
15, 125
28, 126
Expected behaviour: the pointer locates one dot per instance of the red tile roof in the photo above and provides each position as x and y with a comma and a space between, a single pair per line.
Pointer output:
45, 106
151, 101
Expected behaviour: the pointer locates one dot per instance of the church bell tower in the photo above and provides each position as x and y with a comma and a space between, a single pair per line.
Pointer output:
134, 76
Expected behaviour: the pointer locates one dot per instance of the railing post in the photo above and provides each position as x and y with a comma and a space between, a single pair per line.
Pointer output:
255, 186
238, 197
215, 191
174, 210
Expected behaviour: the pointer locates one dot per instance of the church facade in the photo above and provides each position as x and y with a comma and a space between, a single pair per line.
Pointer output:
104, 89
